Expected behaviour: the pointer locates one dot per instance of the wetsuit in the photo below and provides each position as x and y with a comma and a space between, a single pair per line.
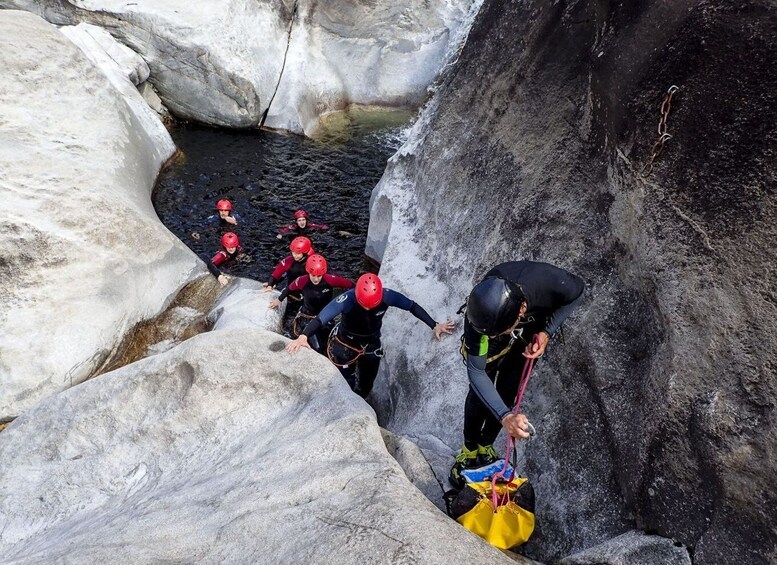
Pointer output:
293, 230
222, 258
292, 270
314, 298
494, 365
223, 225
358, 335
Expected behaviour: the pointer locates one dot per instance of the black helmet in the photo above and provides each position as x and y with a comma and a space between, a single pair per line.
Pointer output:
493, 305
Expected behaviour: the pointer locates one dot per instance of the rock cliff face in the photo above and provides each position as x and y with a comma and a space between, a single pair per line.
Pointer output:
83, 256
659, 410
279, 63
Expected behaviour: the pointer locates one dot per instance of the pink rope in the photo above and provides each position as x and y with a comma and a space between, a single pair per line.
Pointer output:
525, 374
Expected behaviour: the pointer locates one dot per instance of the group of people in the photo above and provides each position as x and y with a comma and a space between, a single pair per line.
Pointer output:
312, 306
510, 317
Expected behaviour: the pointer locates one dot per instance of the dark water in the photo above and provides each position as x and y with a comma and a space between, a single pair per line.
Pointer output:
268, 176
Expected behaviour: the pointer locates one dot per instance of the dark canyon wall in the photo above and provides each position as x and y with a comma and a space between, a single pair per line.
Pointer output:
659, 410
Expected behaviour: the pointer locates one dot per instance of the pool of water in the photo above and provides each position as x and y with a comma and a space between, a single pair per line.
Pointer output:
268, 176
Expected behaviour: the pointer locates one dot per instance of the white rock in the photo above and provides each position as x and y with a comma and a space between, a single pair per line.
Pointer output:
216, 62
227, 62
125, 69
151, 97
224, 449
84, 254
384, 54
245, 305
107, 53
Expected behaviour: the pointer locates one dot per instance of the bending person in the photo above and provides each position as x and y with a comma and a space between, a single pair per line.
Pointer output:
317, 291
354, 346
513, 303
225, 257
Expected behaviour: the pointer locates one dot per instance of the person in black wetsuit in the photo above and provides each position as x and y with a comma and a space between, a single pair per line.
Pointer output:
302, 226
354, 346
225, 257
515, 302
317, 291
291, 267
225, 218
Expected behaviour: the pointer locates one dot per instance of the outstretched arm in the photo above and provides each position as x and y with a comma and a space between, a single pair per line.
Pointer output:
399, 300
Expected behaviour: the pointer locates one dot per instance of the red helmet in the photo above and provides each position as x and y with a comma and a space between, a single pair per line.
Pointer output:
300, 214
369, 291
301, 245
230, 239
224, 205
316, 265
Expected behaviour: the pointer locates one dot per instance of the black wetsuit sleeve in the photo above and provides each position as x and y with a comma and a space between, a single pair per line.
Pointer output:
330, 312
557, 318
399, 300
483, 387
214, 270
422, 315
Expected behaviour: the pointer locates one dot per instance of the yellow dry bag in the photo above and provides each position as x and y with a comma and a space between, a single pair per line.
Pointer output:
502, 513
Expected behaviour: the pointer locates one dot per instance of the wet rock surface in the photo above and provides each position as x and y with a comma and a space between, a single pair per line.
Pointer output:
659, 410
83, 256
364, 52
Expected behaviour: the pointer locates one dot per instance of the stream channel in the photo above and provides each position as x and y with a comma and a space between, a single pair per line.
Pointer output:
269, 175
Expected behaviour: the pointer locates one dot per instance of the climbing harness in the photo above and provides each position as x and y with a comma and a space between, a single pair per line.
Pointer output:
663, 136
515, 335
501, 353
342, 354
301, 317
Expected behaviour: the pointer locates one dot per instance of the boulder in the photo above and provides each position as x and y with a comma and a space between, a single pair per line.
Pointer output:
215, 62
244, 304
658, 411
236, 62
84, 256
632, 548
223, 449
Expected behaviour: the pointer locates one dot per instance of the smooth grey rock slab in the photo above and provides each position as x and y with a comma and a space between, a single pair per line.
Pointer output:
244, 304
223, 449
364, 52
216, 62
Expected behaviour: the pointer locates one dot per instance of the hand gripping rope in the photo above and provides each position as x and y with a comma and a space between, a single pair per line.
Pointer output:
497, 500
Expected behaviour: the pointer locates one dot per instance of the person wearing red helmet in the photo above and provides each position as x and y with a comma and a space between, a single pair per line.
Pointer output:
225, 218
292, 266
224, 257
354, 345
302, 226
317, 291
